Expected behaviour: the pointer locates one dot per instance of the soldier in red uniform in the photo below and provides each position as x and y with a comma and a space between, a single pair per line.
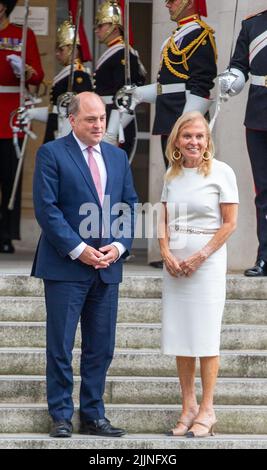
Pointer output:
10, 66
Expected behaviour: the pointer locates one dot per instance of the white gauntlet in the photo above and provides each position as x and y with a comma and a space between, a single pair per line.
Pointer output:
232, 82
27, 115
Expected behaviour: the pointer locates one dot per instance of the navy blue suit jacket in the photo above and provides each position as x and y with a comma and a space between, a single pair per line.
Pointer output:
252, 30
62, 189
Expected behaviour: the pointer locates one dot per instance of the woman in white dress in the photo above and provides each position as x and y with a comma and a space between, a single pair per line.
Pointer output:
200, 203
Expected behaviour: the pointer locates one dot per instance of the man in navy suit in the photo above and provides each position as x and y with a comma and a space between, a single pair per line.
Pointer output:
84, 201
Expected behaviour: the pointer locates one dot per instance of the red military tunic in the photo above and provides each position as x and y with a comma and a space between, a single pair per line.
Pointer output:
10, 43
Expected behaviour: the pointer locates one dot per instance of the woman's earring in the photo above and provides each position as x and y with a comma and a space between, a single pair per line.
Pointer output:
176, 155
206, 156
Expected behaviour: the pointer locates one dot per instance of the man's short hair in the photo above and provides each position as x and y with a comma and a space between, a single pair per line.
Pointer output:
74, 106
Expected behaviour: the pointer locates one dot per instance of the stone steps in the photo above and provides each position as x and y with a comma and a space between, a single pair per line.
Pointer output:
132, 335
31, 361
134, 441
142, 391
32, 309
137, 390
136, 418
138, 286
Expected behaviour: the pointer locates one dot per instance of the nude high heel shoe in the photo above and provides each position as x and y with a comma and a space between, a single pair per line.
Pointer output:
207, 431
186, 422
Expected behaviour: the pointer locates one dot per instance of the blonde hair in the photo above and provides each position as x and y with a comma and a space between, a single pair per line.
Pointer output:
176, 166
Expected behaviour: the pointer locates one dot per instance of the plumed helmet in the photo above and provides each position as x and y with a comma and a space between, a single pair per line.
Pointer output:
65, 34
10, 5
109, 12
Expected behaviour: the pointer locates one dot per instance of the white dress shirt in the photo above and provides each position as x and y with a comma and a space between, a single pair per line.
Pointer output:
74, 254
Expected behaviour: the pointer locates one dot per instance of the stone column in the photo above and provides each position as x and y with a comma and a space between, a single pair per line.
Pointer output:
229, 133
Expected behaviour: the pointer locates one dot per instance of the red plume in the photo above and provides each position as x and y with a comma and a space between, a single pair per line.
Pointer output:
131, 39
201, 7
85, 49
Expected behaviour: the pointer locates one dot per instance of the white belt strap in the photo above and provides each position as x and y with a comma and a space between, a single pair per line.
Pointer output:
9, 89
257, 45
107, 99
170, 88
259, 80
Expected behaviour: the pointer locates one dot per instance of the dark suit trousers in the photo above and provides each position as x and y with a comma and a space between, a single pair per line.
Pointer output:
95, 304
257, 149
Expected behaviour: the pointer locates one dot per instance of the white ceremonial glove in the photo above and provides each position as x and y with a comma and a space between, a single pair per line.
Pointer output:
231, 82
115, 130
112, 132
129, 97
125, 119
37, 114
16, 63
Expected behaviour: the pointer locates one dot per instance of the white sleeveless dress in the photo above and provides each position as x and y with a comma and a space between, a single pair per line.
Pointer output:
193, 306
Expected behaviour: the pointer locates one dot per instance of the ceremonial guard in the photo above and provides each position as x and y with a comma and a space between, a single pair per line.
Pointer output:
187, 69
10, 71
250, 57
186, 73
109, 74
63, 82
81, 80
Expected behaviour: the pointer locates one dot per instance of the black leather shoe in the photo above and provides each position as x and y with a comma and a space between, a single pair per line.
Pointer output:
101, 427
156, 264
61, 429
260, 269
7, 247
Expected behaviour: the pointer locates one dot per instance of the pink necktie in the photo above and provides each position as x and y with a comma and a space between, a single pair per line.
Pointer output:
95, 173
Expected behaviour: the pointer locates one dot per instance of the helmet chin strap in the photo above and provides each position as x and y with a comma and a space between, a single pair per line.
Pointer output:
68, 58
68, 61
180, 9
104, 40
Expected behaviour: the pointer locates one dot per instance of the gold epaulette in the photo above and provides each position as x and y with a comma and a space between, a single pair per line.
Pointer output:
187, 52
211, 36
205, 26
255, 14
